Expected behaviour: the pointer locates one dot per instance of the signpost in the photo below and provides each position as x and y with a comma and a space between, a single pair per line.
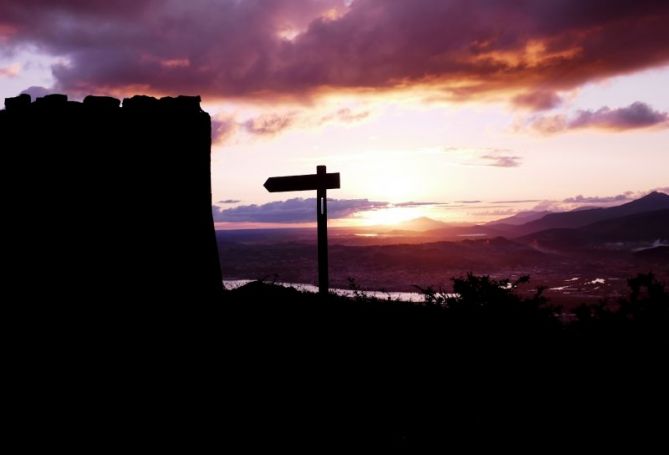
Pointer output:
321, 182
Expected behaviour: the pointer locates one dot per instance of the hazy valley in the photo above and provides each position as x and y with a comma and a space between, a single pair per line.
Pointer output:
578, 255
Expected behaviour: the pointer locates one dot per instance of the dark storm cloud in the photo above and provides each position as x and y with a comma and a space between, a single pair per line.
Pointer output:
636, 115
297, 210
223, 48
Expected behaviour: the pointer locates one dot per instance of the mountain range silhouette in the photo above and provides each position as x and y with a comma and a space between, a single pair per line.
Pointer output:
575, 219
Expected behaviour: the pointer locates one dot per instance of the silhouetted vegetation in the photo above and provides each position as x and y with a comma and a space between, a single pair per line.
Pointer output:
414, 374
483, 302
642, 317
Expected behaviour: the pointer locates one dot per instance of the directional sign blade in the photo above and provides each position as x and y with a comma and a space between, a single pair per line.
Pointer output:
303, 182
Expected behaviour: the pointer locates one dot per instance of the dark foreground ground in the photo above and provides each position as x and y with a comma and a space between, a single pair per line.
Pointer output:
488, 365
273, 369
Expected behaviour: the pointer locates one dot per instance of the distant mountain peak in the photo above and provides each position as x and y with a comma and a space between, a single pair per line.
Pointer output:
654, 195
522, 217
423, 223
653, 201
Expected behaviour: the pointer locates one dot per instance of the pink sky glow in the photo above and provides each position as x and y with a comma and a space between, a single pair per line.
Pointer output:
463, 111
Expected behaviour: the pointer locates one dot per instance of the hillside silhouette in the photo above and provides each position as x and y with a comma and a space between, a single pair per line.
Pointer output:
520, 218
575, 219
639, 227
658, 255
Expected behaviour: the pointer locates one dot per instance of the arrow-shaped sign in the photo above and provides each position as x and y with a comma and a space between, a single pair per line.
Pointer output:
321, 182
303, 182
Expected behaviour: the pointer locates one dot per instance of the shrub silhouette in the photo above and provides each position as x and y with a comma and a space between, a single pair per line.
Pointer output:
640, 319
492, 306
470, 357
648, 302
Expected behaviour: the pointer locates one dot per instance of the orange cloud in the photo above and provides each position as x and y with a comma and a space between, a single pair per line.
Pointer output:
10, 71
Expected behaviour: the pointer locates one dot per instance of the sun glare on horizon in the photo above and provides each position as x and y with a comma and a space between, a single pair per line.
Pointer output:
390, 216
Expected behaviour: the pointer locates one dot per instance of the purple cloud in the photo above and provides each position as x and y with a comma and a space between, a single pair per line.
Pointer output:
540, 100
296, 210
345, 115
501, 160
580, 199
37, 91
222, 129
270, 124
417, 204
517, 201
231, 48
636, 115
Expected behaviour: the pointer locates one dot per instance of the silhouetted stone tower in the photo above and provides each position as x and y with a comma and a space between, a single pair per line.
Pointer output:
109, 201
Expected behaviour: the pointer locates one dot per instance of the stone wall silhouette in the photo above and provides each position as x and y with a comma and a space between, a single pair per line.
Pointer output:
109, 201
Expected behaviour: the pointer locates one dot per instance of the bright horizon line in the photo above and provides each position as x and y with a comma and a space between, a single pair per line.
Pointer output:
349, 222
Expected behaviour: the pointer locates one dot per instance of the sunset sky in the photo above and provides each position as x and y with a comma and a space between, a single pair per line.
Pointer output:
460, 110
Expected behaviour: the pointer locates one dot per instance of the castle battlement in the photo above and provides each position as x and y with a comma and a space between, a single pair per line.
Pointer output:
110, 199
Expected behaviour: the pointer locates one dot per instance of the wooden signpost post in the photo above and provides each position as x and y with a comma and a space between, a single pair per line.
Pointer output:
321, 182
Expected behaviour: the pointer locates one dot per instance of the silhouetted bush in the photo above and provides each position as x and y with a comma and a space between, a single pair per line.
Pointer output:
468, 356
642, 318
